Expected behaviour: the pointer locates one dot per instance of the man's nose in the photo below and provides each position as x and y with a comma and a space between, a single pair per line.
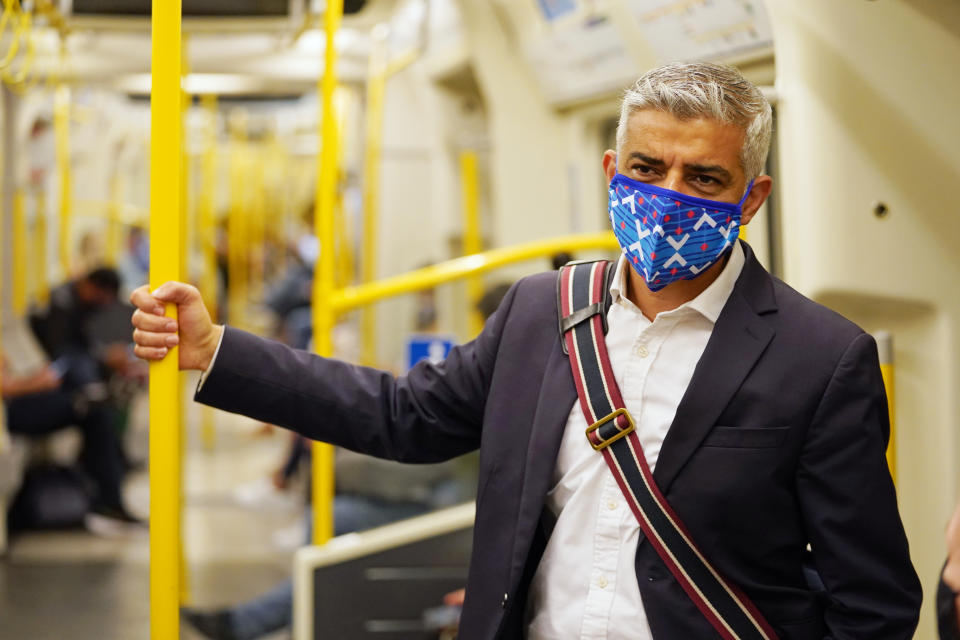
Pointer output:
673, 180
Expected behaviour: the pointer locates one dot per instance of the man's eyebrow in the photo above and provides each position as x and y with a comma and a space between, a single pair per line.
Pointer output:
657, 162
710, 168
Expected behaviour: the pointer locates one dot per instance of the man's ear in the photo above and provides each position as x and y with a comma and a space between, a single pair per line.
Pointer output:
762, 186
609, 164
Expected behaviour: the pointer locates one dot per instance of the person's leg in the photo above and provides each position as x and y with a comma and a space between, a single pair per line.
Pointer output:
264, 614
357, 513
40, 414
102, 458
273, 610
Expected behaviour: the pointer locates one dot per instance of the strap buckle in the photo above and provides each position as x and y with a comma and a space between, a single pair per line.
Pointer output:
620, 433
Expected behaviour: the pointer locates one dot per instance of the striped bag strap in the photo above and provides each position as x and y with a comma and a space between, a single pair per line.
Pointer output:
582, 289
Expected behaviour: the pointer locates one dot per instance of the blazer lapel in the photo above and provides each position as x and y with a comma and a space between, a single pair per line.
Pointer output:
739, 337
557, 395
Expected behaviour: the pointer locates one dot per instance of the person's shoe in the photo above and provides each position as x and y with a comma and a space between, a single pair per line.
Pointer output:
214, 625
113, 522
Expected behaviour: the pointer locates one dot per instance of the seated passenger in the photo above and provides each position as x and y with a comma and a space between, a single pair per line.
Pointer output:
37, 404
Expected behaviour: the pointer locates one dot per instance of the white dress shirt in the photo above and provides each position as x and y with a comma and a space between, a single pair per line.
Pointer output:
586, 585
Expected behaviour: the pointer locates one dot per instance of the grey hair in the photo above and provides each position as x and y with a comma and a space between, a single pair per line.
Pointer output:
705, 90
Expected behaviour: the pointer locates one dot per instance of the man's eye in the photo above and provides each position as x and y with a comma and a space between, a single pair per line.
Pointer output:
643, 170
705, 180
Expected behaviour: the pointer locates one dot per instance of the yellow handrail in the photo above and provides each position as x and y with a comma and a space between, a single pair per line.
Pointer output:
165, 177
442, 272
13, 6
323, 284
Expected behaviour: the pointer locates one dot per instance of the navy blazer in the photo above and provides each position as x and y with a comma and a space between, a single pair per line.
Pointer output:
777, 443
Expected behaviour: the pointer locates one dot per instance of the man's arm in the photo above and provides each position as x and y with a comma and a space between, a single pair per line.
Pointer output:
431, 414
849, 506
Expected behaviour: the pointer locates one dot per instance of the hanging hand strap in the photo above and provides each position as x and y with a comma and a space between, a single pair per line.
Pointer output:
582, 290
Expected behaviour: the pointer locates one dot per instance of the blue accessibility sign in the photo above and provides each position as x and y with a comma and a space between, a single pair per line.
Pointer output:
424, 346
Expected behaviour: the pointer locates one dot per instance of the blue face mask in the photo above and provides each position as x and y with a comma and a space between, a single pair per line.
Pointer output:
668, 236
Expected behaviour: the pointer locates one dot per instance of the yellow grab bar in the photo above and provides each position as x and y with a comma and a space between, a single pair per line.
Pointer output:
165, 178
440, 273
323, 281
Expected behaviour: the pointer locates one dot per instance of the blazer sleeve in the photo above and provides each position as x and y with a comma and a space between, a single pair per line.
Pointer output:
432, 413
849, 506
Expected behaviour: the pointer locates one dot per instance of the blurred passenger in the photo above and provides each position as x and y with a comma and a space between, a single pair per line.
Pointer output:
760, 414
134, 266
84, 328
66, 329
38, 404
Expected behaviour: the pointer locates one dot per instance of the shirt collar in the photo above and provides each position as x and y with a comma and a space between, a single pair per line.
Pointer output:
711, 300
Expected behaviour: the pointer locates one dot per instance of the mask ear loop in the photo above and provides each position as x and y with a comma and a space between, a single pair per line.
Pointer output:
744, 198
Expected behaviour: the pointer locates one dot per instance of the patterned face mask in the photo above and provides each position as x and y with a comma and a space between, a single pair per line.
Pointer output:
668, 236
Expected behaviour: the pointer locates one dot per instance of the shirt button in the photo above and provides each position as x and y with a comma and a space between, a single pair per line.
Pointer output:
602, 582
642, 351
612, 505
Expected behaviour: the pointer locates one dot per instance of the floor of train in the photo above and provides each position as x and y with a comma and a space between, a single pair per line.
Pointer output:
239, 537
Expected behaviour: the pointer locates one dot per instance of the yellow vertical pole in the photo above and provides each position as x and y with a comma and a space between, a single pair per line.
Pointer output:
61, 127
343, 269
207, 234
376, 90
237, 223
41, 289
19, 254
113, 223
323, 314
257, 238
3, 424
885, 350
472, 242
165, 178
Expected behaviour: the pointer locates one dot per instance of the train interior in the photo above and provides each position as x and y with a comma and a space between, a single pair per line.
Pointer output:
455, 146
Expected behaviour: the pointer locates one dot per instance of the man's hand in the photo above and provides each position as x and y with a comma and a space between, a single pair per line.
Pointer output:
47, 379
155, 333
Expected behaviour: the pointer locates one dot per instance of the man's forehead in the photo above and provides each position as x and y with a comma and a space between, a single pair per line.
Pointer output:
703, 140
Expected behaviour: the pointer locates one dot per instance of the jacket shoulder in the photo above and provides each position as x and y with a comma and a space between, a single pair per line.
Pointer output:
815, 321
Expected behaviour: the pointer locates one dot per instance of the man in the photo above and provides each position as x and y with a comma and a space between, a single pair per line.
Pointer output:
761, 413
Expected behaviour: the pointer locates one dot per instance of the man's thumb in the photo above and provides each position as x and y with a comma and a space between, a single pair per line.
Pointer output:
175, 292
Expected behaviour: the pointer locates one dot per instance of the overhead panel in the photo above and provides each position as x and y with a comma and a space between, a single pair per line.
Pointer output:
703, 30
576, 51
